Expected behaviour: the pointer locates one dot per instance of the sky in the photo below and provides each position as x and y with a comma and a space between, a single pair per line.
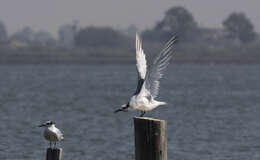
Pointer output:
50, 14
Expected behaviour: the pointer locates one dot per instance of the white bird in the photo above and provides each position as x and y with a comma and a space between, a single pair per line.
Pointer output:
148, 78
51, 133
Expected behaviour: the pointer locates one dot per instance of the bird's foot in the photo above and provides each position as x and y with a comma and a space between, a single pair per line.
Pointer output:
142, 113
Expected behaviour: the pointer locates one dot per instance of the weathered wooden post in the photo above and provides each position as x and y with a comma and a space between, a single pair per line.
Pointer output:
150, 139
54, 154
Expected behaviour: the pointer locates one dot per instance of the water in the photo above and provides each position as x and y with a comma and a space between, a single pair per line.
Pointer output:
213, 111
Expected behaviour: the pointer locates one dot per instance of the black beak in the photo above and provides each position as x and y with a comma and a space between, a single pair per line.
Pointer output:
42, 125
118, 110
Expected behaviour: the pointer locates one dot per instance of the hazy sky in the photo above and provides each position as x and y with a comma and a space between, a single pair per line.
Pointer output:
50, 14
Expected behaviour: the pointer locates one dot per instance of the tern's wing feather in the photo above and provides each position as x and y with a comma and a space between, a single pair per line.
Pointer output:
140, 64
155, 71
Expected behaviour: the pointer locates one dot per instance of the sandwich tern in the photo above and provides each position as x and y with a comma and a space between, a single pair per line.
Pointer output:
51, 133
148, 78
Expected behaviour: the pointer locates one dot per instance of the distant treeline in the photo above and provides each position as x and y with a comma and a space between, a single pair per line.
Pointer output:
236, 42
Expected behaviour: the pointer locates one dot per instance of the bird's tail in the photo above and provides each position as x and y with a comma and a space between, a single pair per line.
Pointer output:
161, 103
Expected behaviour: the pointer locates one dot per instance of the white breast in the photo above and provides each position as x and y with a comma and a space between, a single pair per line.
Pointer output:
140, 103
53, 134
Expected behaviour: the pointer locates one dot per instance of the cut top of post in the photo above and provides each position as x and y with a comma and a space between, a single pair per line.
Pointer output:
150, 119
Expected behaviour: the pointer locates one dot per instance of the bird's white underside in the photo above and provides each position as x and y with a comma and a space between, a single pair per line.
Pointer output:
53, 134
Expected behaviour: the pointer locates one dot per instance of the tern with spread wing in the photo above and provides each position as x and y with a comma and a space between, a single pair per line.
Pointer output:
148, 78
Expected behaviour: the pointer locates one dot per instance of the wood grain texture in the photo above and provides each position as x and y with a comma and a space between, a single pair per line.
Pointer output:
150, 139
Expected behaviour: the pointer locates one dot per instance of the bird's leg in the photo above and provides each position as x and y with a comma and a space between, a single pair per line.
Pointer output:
142, 113
50, 144
55, 144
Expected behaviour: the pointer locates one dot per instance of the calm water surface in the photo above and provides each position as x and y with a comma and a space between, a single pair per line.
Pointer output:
213, 111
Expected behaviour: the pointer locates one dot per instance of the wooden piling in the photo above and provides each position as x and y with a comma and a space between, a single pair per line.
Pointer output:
150, 139
54, 154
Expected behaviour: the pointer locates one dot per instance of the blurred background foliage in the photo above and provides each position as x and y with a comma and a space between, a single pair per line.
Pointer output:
235, 42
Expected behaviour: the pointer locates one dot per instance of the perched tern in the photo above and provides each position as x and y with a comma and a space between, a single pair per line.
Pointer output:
51, 133
148, 78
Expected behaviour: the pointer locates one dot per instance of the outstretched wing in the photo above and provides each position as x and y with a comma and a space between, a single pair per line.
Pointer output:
155, 70
140, 64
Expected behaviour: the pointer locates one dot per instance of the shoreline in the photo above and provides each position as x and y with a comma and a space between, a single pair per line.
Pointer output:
99, 61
